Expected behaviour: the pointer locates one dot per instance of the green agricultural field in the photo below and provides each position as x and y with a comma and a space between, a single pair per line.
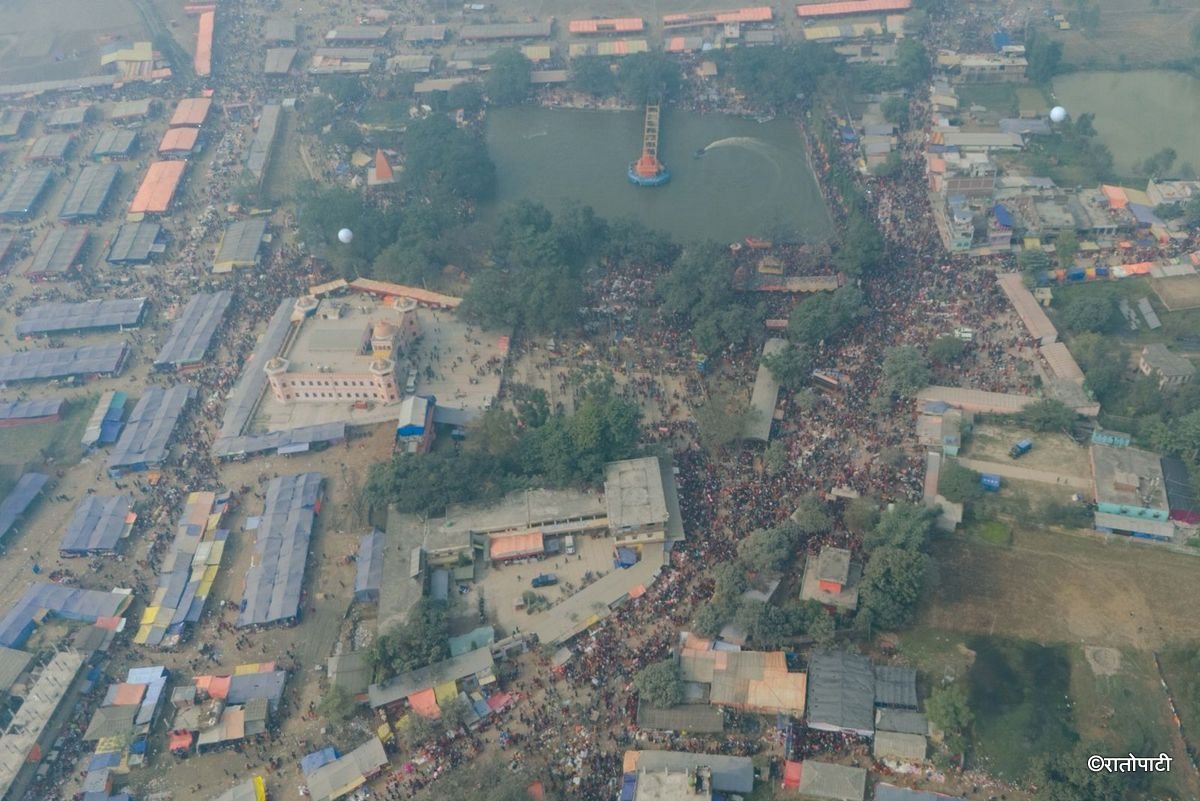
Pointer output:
34, 444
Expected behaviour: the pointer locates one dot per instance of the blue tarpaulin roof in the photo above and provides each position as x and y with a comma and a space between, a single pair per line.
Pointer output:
628, 786
1001, 39
110, 431
310, 762
626, 557
1002, 215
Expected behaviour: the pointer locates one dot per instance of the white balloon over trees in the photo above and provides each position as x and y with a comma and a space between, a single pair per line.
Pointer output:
345, 236
1058, 114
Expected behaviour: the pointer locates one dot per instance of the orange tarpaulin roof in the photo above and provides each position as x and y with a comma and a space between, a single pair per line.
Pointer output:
204, 39
179, 740
851, 7
755, 14
179, 140
1116, 196
402, 291
128, 694
1141, 268
383, 170
514, 546
618, 25
192, 111
425, 704
158, 187
215, 686
791, 775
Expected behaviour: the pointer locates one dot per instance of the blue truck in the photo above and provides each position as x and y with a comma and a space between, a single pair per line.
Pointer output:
1020, 449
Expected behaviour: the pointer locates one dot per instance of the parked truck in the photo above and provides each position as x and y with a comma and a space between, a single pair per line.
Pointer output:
1021, 448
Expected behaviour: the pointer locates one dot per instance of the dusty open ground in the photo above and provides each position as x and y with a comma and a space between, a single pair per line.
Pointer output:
1178, 293
1061, 588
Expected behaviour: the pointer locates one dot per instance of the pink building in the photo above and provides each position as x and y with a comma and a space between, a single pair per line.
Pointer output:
377, 382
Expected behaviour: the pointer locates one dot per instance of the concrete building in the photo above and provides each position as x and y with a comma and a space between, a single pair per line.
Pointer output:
641, 500
340, 356
831, 579
1169, 368
955, 223
1128, 482
984, 67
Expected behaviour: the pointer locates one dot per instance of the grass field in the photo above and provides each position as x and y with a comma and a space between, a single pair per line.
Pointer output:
1019, 692
28, 445
1125, 710
1132, 33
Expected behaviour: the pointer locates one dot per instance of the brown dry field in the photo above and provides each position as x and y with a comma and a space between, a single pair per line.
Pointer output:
1178, 293
1050, 588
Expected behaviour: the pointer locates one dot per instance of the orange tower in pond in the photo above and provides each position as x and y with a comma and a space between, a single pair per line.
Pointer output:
648, 170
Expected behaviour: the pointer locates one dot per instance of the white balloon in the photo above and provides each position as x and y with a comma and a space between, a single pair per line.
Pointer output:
1058, 114
345, 236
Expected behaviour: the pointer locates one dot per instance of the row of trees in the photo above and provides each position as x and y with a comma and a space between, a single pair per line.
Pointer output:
763, 554
641, 78
894, 578
507, 451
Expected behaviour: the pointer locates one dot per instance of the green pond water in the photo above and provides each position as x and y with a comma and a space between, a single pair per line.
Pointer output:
752, 180
1138, 113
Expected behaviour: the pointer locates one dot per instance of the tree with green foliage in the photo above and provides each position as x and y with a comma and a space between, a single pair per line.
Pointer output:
343, 89
419, 641
905, 526
1033, 261
440, 154
769, 549
824, 315
1181, 438
775, 457
905, 371
776, 77
1047, 414
592, 75
1098, 312
823, 629
322, 211
1159, 164
316, 112
948, 709
467, 95
912, 63
1103, 363
651, 77
861, 515
697, 289
574, 449
1065, 247
946, 349
959, 484
791, 367
337, 704
811, 515
862, 246
722, 420
890, 168
659, 684
1043, 56
891, 587
1065, 776
766, 625
895, 110
345, 133
507, 82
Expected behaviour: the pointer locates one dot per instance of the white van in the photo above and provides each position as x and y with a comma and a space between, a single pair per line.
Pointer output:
569, 544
